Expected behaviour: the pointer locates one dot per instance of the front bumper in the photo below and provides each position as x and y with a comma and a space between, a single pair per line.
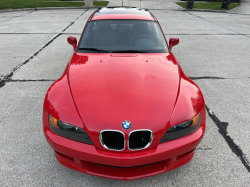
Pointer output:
124, 166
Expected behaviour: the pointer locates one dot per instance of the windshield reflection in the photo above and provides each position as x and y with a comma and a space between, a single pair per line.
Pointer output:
142, 36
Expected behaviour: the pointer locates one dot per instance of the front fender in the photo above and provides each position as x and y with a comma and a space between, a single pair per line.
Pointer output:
59, 103
189, 103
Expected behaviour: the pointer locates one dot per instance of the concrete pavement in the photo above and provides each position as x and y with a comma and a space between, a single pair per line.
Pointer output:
244, 8
212, 51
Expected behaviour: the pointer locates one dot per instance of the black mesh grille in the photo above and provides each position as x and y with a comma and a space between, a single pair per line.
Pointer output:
139, 139
113, 140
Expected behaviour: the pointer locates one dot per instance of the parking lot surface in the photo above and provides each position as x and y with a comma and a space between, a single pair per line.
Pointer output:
213, 51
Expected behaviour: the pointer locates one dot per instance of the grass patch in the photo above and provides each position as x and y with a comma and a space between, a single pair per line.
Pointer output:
37, 4
100, 3
211, 6
16, 4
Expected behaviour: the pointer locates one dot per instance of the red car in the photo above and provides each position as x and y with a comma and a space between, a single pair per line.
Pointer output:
123, 108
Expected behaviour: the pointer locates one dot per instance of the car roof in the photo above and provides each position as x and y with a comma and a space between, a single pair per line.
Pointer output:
122, 13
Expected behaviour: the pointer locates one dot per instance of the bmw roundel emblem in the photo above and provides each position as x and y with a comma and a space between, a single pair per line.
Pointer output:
126, 124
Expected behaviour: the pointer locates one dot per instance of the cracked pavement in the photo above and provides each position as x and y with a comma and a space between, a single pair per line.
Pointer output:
213, 51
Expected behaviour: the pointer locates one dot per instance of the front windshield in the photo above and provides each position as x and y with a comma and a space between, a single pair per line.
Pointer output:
140, 36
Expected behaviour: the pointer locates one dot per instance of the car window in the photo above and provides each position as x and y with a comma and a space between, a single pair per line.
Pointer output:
122, 36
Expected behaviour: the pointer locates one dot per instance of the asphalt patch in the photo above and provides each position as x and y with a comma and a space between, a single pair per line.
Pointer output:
223, 131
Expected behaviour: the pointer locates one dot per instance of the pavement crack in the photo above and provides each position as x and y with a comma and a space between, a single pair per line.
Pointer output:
67, 33
9, 75
237, 33
212, 22
17, 16
2, 83
206, 77
30, 80
203, 149
222, 126
216, 78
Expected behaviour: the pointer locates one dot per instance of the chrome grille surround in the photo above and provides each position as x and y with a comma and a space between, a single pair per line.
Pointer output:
148, 144
105, 146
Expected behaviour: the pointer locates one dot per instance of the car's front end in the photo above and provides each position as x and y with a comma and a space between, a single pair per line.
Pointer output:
120, 165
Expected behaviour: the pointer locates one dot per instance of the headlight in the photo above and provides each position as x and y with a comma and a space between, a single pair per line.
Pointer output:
182, 129
68, 131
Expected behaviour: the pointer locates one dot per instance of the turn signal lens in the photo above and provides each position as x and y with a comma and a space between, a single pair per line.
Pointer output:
196, 121
68, 131
182, 129
53, 122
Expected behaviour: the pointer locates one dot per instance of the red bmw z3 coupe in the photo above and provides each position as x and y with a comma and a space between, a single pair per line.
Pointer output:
123, 108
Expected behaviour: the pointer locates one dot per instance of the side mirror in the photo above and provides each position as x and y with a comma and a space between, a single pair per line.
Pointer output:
173, 42
72, 41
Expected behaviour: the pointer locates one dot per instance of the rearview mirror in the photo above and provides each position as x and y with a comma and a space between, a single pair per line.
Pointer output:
72, 41
173, 42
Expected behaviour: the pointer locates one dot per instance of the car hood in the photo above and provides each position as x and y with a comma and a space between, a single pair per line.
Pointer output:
110, 88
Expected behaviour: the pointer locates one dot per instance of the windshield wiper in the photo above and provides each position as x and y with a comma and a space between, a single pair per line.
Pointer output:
130, 51
94, 49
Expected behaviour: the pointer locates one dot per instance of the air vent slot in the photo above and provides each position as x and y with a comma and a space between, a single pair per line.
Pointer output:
113, 140
140, 139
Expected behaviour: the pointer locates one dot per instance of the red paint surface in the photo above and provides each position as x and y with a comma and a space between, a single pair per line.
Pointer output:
99, 91
124, 88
